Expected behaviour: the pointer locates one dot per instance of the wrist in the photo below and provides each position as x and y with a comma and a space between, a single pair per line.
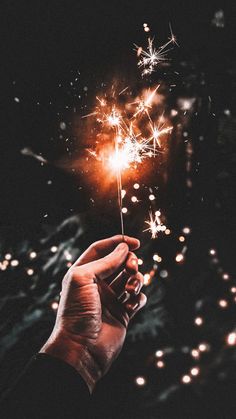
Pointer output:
75, 354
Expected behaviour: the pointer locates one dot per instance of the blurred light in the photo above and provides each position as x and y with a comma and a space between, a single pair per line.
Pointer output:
140, 261
8, 256
181, 238
194, 371
179, 258
54, 305
151, 197
14, 262
203, 347
225, 277
136, 186
233, 290
68, 256
159, 353
33, 255
231, 338
147, 279
163, 273
198, 321
173, 112
186, 230
140, 381
160, 364
134, 199
167, 231
223, 303
186, 379
162, 228
54, 249
124, 210
227, 112
123, 193
157, 258
30, 272
212, 252
195, 353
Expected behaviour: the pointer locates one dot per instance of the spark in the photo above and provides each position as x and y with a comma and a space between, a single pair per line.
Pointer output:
145, 103
156, 133
150, 58
131, 151
155, 224
114, 118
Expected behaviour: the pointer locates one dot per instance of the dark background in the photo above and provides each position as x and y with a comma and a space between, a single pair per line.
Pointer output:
44, 46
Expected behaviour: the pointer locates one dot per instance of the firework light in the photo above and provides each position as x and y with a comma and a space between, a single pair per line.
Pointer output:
130, 131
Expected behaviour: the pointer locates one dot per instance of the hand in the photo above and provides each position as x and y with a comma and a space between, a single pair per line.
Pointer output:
100, 294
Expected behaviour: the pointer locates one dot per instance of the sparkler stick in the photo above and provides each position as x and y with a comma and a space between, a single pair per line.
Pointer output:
120, 201
119, 190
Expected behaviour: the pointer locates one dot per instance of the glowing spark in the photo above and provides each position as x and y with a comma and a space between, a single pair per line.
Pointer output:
114, 118
150, 58
144, 104
155, 224
130, 151
156, 133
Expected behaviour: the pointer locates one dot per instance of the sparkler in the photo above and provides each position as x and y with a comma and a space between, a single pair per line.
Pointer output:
128, 132
132, 136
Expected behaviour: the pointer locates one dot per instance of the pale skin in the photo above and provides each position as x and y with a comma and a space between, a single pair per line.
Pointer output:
100, 293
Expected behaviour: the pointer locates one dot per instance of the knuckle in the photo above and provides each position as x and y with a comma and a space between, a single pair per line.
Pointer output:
74, 275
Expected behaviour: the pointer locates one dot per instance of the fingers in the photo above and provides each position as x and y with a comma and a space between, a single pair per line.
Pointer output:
101, 248
118, 284
134, 304
108, 265
131, 267
124, 282
123, 312
135, 284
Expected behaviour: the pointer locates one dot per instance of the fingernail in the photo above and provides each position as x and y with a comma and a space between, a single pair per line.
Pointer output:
121, 247
132, 307
134, 262
135, 306
136, 285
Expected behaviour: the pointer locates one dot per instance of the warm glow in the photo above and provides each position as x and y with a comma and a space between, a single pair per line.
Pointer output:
194, 371
198, 321
119, 160
140, 381
231, 339
186, 379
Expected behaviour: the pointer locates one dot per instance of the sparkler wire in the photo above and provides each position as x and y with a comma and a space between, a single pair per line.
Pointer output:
119, 191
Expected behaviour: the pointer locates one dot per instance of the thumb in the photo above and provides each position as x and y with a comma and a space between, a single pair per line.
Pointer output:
107, 266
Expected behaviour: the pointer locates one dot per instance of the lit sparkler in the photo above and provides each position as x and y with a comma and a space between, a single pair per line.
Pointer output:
128, 138
130, 131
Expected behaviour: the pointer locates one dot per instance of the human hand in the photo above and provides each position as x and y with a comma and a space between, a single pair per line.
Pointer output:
100, 294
